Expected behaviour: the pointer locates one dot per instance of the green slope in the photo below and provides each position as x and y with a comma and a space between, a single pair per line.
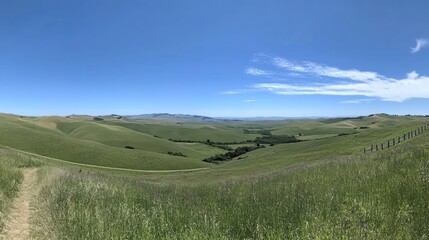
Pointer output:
23, 135
215, 132
283, 156
102, 142
120, 136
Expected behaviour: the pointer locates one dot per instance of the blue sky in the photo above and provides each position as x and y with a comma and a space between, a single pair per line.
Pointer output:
215, 58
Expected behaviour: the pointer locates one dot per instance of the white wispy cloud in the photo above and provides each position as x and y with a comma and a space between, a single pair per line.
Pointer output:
230, 92
351, 82
257, 72
420, 43
325, 71
357, 101
249, 101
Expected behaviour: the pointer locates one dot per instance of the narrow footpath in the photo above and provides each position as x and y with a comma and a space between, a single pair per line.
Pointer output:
18, 223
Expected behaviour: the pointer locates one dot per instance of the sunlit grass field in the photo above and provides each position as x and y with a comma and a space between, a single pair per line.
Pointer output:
320, 188
379, 196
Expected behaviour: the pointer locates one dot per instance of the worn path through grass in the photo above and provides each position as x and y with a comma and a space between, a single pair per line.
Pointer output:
18, 223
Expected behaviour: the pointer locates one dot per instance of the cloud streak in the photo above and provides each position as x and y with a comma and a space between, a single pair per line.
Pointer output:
230, 92
349, 82
257, 72
325, 71
420, 43
358, 101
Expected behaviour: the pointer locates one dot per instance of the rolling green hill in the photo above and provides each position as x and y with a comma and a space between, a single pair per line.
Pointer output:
216, 132
47, 141
119, 136
83, 140
321, 187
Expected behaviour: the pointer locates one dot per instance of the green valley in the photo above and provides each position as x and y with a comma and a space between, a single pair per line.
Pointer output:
92, 186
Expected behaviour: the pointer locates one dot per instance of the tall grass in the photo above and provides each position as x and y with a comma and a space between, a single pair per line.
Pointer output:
382, 196
11, 177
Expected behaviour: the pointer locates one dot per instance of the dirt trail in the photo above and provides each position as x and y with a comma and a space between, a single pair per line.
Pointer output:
18, 222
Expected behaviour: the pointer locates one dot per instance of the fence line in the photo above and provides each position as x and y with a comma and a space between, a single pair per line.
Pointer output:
396, 140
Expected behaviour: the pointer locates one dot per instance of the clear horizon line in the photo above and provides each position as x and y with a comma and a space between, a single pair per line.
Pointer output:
216, 117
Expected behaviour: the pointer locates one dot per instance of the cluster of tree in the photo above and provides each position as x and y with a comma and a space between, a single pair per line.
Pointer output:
222, 145
345, 134
209, 142
409, 115
116, 116
185, 141
257, 131
275, 139
267, 138
129, 147
177, 154
98, 119
231, 154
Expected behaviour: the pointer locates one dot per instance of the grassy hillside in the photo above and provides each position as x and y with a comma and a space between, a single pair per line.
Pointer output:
29, 137
118, 136
377, 196
323, 188
216, 132
83, 140
273, 158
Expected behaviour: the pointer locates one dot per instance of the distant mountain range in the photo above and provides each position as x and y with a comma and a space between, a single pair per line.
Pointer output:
167, 117
197, 118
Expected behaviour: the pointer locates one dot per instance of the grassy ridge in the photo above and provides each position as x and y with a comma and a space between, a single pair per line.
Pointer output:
380, 196
286, 154
323, 188
53, 143
118, 136
216, 132
102, 142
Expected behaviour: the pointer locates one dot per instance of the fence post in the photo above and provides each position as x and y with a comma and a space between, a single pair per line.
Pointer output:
364, 150
405, 137
388, 143
376, 147
399, 139
382, 146
393, 142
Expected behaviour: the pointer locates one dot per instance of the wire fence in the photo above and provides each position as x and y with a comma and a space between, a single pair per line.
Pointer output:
396, 140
